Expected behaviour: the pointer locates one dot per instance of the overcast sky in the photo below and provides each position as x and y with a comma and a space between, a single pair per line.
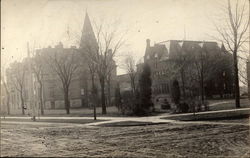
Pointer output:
45, 22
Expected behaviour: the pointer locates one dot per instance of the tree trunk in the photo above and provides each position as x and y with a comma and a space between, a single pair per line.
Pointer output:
183, 83
102, 83
8, 97
236, 81
109, 95
66, 100
41, 98
202, 83
132, 82
8, 103
22, 103
94, 92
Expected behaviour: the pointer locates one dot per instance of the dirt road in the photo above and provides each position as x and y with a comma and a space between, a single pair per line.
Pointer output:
165, 140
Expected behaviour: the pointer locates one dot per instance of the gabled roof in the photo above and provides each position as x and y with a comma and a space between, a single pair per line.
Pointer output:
158, 49
175, 47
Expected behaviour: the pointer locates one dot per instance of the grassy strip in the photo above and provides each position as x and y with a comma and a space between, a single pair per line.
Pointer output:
226, 115
77, 121
128, 123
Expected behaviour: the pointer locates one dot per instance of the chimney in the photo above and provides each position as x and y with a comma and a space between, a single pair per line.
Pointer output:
148, 42
60, 45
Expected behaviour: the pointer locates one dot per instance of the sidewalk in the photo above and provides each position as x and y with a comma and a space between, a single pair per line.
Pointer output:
163, 118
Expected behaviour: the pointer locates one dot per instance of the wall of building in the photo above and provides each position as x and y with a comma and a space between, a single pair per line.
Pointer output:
162, 59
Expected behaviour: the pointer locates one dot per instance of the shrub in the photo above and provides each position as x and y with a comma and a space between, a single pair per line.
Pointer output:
126, 105
175, 92
206, 107
129, 103
138, 103
165, 104
145, 92
118, 97
183, 107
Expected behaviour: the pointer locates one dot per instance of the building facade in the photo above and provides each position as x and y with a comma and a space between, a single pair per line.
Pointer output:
52, 88
184, 61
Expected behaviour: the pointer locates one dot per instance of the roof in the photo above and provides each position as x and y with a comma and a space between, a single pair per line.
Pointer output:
175, 47
88, 36
123, 77
158, 49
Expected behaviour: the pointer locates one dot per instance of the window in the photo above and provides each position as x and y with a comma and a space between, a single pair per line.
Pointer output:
164, 88
52, 104
51, 92
168, 89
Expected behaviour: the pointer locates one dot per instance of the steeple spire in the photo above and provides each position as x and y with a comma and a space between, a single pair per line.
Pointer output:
88, 36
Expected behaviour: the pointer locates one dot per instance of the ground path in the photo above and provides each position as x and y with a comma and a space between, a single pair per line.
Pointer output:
22, 137
163, 118
161, 140
222, 102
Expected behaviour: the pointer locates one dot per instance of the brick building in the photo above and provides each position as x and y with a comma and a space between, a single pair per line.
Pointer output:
52, 93
80, 88
124, 82
167, 59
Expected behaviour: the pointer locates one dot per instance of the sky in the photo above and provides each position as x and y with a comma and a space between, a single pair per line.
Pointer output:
43, 23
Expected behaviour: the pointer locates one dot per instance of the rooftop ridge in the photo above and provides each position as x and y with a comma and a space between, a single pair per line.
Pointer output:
162, 42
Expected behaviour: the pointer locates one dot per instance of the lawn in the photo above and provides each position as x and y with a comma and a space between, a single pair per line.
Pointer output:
163, 140
245, 103
77, 121
78, 112
113, 111
128, 123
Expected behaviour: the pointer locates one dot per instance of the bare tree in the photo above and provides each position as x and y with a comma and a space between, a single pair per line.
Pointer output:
110, 69
37, 66
18, 80
180, 64
242, 66
130, 66
108, 43
7, 91
92, 71
234, 34
65, 66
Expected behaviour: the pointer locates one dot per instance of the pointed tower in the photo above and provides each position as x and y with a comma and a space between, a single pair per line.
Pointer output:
88, 37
